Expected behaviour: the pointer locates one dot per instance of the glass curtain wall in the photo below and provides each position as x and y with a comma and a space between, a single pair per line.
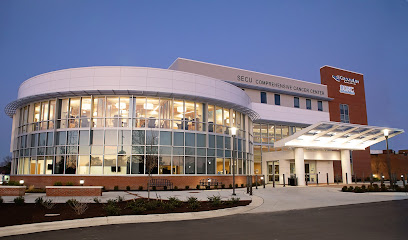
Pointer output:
118, 135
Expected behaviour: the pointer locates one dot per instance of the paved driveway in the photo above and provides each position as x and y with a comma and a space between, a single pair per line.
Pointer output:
382, 220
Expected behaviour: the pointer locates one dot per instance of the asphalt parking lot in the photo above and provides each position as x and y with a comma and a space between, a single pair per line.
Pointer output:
380, 220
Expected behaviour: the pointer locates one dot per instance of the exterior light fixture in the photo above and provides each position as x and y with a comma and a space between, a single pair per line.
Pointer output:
402, 176
233, 131
81, 182
261, 178
382, 176
21, 181
386, 132
209, 180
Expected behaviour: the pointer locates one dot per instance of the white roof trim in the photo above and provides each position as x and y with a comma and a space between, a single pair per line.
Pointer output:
337, 135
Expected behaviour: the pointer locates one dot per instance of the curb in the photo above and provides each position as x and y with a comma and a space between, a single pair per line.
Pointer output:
101, 221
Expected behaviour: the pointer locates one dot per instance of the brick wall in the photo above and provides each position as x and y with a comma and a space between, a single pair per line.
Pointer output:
74, 191
12, 190
357, 112
109, 182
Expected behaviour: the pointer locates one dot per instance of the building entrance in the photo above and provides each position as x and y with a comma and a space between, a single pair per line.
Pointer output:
271, 165
310, 172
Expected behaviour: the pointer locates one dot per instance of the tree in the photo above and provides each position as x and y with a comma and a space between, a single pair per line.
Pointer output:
152, 138
6, 164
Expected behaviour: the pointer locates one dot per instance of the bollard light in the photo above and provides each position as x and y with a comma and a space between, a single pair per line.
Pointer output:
402, 176
383, 176
261, 178
21, 181
81, 182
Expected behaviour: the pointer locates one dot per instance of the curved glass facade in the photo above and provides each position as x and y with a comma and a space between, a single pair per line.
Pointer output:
111, 135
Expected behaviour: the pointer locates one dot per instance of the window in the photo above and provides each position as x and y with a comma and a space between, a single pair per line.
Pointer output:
344, 113
263, 97
319, 105
308, 104
277, 99
296, 102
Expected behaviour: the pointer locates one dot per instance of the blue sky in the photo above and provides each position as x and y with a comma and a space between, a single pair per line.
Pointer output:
287, 38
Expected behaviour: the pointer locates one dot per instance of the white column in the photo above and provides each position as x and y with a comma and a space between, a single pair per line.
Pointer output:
300, 166
345, 165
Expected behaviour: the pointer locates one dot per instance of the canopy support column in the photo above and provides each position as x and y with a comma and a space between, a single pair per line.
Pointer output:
300, 166
345, 165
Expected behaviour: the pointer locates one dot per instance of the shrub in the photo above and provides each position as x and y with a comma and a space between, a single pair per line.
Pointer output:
19, 200
39, 200
48, 204
71, 202
152, 204
13, 183
175, 201
230, 186
207, 187
370, 189
69, 184
350, 189
358, 190
187, 187
175, 188
398, 188
383, 188
58, 184
35, 190
154, 188
96, 200
344, 189
116, 188
376, 188
111, 208
164, 187
215, 200
193, 203
236, 185
235, 200
140, 188
79, 207
216, 187
222, 186
198, 187
136, 209
127, 188
242, 185
363, 187
168, 206
1, 200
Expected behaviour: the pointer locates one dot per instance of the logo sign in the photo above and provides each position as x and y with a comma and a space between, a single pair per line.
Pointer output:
339, 78
347, 90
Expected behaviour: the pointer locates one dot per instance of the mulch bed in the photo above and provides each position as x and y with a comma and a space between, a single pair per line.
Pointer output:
13, 214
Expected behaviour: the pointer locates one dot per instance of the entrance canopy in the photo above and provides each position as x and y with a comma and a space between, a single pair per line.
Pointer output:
337, 135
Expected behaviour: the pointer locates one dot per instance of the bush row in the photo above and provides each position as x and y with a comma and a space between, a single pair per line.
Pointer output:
374, 188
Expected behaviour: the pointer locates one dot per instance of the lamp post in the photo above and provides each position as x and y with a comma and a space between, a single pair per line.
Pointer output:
233, 133
386, 132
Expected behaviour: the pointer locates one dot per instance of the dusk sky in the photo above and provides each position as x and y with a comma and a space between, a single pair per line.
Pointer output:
286, 38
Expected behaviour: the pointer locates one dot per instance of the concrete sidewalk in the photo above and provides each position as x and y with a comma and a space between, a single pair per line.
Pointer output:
292, 198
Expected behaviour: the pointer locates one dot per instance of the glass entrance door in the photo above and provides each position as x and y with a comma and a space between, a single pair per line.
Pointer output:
307, 172
310, 172
270, 171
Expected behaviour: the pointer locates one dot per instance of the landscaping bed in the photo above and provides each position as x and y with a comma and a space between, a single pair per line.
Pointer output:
24, 213
374, 188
